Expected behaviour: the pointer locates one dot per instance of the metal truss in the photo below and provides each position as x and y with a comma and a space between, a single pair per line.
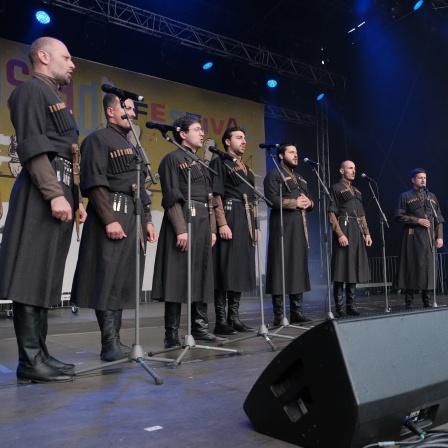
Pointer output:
289, 115
147, 22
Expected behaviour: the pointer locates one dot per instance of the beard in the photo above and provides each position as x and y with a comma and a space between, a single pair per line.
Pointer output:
289, 164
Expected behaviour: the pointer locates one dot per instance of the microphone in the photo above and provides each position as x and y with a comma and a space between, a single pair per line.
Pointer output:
223, 155
367, 177
425, 188
164, 128
122, 94
311, 162
267, 146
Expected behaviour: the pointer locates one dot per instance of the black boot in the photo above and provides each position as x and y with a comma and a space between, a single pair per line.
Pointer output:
68, 369
32, 359
117, 322
221, 325
338, 289
409, 299
277, 305
295, 309
199, 324
350, 291
172, 322
110, 347
233, 317
426, 298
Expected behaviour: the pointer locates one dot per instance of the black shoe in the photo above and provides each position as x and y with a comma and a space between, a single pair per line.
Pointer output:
239, 326
42, 373
353, 311
341, 313
298, 318
171, 342
209, 337
67, 369
224, 329
112, 353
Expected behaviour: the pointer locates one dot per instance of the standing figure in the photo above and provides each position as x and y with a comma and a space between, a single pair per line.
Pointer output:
234, 251
416, 261
39, 224
170, 282
349, 263
295, 205
105, 273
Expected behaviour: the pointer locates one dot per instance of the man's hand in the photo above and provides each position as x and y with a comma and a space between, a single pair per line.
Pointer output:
182, 241
424, 222
82, 213
439, 243
151, 234
114, 231
368, 241
303, 202
213, 239
343, 241
61, 209
225, 233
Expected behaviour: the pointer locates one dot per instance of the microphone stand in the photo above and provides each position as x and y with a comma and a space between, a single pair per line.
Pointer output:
262, 329
383, 220
434, 248
189, 342
137, 353
326, 239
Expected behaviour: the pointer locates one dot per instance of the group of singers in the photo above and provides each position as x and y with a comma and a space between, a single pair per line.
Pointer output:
222, 216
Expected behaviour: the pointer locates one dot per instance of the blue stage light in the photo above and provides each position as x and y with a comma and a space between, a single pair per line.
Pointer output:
418, 4
207, 66
272, 83
320, 96
42, 17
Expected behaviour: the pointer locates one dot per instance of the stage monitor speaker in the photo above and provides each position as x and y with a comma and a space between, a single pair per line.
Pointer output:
350, 382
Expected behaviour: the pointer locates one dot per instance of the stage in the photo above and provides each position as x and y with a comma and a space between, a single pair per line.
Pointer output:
199, 404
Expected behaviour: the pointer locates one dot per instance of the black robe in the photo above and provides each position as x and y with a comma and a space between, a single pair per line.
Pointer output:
105, 276
170, 269
234, 259
349, 263
35, 245
297, 279
416, 263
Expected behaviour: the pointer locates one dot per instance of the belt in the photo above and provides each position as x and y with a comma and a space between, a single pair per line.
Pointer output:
199, 203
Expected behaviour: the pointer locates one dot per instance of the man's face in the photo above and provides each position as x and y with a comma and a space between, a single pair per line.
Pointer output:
236, 144
116, 113
290, 158
194, 138
419, 180
348, 171
60, 63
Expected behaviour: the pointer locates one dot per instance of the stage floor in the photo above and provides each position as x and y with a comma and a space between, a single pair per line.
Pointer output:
199, 404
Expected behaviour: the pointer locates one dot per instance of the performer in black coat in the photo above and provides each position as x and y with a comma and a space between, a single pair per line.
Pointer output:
39, 224
416, 261
170, 279
295, 205
349, 263
105, 273
234, 251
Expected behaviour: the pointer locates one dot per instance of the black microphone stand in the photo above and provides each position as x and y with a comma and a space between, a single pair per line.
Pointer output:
137, 353
189, 341
434, 218
326, 239
383, 220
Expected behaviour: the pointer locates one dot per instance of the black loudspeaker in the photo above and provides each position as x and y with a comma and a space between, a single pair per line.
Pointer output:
351, 382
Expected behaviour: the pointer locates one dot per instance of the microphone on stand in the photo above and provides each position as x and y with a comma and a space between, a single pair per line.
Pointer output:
164, 128
364, 175
425, 188
311, 162
268, 146
122, 94
223, 155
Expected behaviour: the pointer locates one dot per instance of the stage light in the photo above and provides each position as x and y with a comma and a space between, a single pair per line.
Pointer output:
418, 4
207, 65
320, 96
272, 83
42, 17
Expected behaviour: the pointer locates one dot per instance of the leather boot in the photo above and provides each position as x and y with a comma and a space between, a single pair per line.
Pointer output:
350, 292
32, 359
172, 322
295, 309
233, 317
338, 289
110, 347
117, 322
426, 298
277, 305
409, 299
68, 369
221, 325
199, 324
